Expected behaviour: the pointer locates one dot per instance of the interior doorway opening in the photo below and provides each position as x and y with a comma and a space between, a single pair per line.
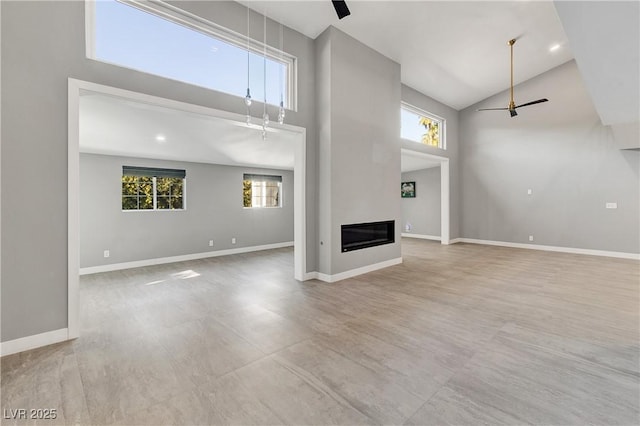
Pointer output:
419, 165
77, 89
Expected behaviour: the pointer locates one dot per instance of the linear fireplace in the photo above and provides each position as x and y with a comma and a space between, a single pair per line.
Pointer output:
362, 235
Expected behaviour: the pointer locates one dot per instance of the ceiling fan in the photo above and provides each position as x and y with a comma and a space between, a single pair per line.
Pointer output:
341, 8
512, 105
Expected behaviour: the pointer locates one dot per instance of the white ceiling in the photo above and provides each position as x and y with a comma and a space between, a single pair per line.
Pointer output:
116, 126
410, 163
453, 51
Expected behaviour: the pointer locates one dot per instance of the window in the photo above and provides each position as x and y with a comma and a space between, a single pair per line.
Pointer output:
160, 39
421, 126
262, 191
145, 188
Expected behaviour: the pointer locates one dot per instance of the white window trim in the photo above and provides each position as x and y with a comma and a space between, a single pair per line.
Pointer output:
423, 113
155, 200
176, 15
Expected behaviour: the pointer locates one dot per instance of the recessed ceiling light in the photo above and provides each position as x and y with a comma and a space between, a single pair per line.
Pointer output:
161, 138
554, 48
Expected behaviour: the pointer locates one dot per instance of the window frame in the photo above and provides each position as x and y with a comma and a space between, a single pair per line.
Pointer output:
155, 198
442, 145
194, 22
280, 192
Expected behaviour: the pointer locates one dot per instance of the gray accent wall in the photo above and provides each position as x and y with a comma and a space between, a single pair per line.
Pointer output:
423, 212
562, 152
214, 212
43, 44
358, 93
452, 151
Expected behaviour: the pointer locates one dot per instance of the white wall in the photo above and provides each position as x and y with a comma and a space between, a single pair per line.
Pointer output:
214, 212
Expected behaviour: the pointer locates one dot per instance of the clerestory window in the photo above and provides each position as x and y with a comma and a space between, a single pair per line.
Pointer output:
421, 126
160, 39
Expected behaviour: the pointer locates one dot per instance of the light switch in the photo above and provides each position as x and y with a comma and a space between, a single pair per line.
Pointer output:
529, 191
611, 205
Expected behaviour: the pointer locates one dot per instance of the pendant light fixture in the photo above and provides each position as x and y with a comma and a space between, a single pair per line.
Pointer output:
247, 99
265, 114
281, 110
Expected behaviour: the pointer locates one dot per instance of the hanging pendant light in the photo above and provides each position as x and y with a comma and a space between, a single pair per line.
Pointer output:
281, 110
247, 99
265, 115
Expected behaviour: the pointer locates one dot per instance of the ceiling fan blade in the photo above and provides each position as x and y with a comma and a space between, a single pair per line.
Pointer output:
493, 109
539, 101
341, 8
512, 106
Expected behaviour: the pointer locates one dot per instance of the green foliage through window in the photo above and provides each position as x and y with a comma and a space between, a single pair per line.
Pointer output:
432, 135
137, 193
169, 193
420, 126
152, 193
246, 192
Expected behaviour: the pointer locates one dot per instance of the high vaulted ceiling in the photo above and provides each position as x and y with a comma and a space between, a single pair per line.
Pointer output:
453, 51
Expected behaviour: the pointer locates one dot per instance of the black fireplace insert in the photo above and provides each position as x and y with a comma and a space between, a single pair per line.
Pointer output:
362, 235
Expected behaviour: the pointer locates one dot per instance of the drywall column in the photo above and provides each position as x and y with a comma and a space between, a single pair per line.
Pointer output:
323, 113
358, 108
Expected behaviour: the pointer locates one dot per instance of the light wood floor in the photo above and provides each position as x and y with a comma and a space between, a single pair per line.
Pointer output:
464, 334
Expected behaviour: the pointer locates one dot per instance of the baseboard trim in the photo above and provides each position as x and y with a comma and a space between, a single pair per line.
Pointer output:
32, 342
310, 276
604, 253
455, 241
353, 272
421, 236
181, 258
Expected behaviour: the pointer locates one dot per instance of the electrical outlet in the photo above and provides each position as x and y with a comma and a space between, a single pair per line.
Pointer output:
530, 237
233, 241
106, 253
407, 227
210, 243
611, 205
